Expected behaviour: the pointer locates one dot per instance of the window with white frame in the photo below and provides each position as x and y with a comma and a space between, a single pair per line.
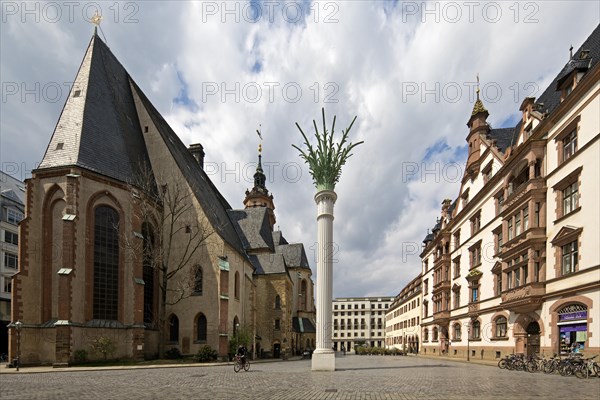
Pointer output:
7, 284
569, 145
11, 260
13, 216
570, 198
569, 258
11, 237
501, 325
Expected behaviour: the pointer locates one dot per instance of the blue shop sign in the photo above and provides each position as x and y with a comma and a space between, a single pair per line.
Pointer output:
572, 316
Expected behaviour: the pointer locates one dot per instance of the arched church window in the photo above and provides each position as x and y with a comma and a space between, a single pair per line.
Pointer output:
201, 328
198, 281
173, 328
106, 263
148, 273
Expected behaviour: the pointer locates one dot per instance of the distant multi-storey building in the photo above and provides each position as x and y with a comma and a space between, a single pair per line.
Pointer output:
402, 320
12, 209
359, 321
513, 263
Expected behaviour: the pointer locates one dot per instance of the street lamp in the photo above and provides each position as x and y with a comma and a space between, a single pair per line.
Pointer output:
18, 326
468, 343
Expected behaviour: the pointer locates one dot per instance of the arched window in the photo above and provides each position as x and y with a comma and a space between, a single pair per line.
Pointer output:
236, 325
106, 263
425, 334
148, 273
435, 334
277, 303
457, 332
236, 287
501, 325
303, 296
201, 328
198, 281
572, 328
475, 330
173, 328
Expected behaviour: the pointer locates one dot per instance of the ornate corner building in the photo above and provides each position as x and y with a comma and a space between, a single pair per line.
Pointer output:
513, 263
91, 237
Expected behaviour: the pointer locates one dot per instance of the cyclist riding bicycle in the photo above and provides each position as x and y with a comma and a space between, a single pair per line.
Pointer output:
241, 353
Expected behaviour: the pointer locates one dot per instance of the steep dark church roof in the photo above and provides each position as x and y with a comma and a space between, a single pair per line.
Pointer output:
252, 225
99, 130
294, 255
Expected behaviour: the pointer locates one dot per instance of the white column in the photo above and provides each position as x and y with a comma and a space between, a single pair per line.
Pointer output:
323, 358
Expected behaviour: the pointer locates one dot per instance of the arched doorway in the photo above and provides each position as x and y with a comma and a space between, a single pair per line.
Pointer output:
533, 338
276, 350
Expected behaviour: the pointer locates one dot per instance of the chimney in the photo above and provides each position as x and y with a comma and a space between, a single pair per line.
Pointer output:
198, 152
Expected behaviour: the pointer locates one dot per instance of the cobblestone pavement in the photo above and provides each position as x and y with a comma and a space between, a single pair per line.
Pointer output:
357, 377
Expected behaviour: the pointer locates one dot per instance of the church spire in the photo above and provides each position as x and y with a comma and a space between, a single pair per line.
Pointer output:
259, 195
259, 176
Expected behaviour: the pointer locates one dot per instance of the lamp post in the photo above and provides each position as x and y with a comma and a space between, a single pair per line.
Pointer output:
468, 343
18, 326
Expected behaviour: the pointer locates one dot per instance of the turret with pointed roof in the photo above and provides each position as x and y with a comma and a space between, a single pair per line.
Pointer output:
259, 195
477, 125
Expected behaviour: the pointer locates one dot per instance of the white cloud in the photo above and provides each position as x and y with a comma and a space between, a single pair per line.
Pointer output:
366, 61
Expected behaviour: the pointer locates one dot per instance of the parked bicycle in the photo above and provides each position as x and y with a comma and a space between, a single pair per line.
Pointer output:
587, 368
241, 363
573, 364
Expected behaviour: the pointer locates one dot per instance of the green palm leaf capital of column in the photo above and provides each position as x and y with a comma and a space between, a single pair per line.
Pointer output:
325, 160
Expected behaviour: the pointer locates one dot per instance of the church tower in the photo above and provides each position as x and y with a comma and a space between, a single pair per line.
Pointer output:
259, 195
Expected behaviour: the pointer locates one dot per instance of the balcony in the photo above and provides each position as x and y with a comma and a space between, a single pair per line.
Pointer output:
515, 195
443, 285
533, 235
525, 298
441, 317
440, 260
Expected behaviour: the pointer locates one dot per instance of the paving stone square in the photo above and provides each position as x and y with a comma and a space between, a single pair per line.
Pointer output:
356, 378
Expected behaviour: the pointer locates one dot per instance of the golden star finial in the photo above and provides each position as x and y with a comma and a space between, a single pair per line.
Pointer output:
96, 19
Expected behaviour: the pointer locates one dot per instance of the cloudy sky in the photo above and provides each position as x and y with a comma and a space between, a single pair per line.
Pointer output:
216, 71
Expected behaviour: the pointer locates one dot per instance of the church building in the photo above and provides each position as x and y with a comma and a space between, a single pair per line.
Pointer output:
125, 237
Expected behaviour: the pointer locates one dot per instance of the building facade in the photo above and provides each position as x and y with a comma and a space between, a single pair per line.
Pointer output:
513, 263
359, 321
12, 209
403, 319
124, 236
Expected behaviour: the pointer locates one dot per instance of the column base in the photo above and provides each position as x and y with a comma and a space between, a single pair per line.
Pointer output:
323, 361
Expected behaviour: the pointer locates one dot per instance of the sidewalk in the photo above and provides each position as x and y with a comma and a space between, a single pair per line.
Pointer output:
48, 368
473, 360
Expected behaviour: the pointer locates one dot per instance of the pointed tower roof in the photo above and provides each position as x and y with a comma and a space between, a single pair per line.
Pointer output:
479, 109
98, 128
259, 195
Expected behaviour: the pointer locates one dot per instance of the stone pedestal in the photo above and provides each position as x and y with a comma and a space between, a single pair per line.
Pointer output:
323, 358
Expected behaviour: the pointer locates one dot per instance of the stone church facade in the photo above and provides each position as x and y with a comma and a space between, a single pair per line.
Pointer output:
83, 267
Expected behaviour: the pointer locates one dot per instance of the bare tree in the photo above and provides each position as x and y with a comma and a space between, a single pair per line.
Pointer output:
173, 232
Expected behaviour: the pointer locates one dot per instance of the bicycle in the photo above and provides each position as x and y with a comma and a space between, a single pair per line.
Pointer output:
587, 368
240, 364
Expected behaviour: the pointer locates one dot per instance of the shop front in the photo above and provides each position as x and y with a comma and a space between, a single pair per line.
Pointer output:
572, 328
